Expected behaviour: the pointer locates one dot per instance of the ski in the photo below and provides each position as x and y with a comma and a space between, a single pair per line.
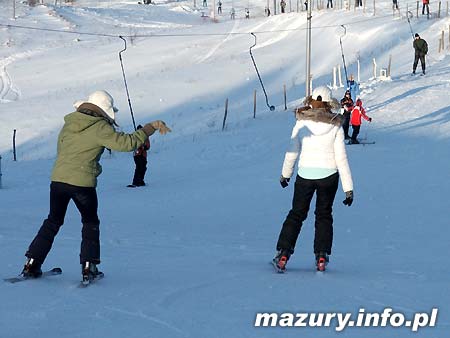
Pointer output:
131, 186
86, 283
20, 278
361, 142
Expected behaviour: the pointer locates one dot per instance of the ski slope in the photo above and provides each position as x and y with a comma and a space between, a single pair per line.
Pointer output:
188, 255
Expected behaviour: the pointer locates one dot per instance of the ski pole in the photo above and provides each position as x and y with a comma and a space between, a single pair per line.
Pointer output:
409, 16
272, 108
125, 80
343, 57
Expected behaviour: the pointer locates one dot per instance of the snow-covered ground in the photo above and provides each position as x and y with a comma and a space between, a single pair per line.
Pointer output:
187, 256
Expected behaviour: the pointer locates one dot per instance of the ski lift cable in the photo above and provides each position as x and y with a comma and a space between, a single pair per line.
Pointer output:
343, 56
272, 108
187, 34
125, 80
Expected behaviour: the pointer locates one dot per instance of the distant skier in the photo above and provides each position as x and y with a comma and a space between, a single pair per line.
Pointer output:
358, 112
318, 139
219, 8
330, 3
347, 107
420, 50
205, 3
232, 14
81, 142
283, 6
140, 160
267, 11
395, 4
426, 4
353, 87
247, 13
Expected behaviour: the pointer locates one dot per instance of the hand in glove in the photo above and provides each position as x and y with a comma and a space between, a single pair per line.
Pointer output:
370, 119
151, 127
348, 198
284, 181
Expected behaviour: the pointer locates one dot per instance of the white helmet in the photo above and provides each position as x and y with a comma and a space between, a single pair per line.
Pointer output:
322, 91
103, 100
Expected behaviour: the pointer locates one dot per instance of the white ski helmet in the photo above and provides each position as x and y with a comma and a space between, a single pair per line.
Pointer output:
323, 92
103, 100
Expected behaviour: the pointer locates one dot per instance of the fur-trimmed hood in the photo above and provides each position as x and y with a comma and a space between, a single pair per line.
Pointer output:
319, 111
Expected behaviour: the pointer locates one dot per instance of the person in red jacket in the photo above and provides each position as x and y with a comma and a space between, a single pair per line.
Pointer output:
140, 159
426, 4
357, 112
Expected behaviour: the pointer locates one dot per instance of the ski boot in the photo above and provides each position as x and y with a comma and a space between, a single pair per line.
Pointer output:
31, 269
90, 273
280, 260
322, 260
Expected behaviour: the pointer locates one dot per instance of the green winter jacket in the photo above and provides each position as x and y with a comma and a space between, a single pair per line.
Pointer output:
81, 143
420, 46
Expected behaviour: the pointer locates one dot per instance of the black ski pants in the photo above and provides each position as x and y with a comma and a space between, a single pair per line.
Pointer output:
346, 123
141, 168
85, 199
418, 57
304, 190
355, 133
427, 7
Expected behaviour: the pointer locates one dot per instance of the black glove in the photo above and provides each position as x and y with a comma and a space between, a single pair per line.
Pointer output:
284, 181
370, 119
348, 198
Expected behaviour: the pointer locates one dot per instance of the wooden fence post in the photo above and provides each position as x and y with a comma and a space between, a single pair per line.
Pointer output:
334, 78
225, 115
285, 97
254, 104
374, 68
443, 40
359, 70
389, 66
439, 11
417, 12
14, 145
0, 171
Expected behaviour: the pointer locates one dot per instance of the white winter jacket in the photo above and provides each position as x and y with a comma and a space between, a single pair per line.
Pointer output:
319, 140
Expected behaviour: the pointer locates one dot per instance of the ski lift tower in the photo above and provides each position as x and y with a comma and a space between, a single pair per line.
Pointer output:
308, 49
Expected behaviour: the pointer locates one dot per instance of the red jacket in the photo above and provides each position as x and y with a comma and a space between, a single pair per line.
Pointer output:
357, 113
142, 150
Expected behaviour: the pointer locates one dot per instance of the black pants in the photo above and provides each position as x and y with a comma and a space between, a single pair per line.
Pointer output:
325, 190
85, 200
423, 9
346, 123
139, 172
418, 57
355, 133
330, 4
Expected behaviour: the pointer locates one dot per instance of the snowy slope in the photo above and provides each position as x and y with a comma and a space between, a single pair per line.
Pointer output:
187, 256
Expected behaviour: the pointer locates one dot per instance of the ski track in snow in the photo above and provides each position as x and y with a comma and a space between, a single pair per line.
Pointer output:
215, 48
140, 314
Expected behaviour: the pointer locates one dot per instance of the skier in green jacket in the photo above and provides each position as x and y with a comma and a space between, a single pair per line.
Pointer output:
81, 142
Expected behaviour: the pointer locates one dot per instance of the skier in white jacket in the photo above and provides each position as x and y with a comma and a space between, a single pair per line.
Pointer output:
318, 139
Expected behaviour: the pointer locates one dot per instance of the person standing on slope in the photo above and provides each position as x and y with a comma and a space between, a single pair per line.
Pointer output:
318, 139
140, 160
357, 112
347, 106
420, 50
81, 142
